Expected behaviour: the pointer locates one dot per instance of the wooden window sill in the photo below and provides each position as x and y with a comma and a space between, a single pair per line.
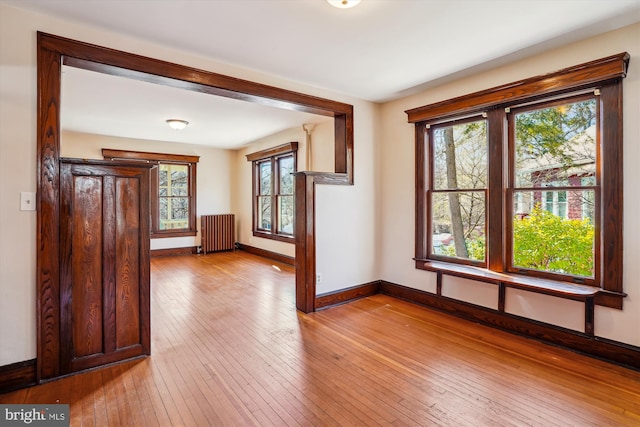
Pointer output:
554, 288
272, 236
165, 234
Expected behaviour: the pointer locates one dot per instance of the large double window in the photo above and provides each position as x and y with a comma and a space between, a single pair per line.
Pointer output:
526, 182
173, 191
273, 184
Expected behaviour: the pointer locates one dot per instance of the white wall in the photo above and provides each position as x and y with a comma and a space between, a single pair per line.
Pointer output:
347, 255
397, 233
213, 172
322, 142
242, 195
18, 165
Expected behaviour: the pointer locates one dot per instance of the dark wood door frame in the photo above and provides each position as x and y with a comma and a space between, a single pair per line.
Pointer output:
54, 51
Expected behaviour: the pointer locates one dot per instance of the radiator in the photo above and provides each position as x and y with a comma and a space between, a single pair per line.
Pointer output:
218, 232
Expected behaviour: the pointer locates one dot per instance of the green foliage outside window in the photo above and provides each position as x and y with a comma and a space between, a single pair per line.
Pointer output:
546, 242
475, 249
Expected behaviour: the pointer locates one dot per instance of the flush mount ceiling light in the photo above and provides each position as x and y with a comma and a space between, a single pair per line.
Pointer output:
177, 124
343, 4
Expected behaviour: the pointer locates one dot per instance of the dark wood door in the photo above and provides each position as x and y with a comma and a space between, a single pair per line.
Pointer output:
104, 271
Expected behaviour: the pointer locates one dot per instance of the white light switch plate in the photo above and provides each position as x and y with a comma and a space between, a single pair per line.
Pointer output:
27, 201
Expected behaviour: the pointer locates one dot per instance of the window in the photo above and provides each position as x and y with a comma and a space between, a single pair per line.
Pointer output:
458, 189
526, 182
173, 191
173, 196
273, 203
554, 147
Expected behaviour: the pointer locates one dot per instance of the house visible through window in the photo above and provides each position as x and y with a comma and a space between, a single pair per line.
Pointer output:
273, 203
526, 185
173, 191
554, 158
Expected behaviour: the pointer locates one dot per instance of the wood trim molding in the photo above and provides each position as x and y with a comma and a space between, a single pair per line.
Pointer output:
289, 147
305, 183
17, 375
189, 250
110, 154
305, 238
344, 296
285, 259
114, 62
601, 348
48, 212
571, 78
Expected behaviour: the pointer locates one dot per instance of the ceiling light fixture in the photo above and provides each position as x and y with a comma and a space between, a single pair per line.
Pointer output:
177, 124
343, 4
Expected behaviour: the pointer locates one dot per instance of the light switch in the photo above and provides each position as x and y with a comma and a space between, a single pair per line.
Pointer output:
27, 201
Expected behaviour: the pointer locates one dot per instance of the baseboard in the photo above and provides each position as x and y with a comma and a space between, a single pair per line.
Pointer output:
285, 259
189, 250
343, 296
17, 375
600, 348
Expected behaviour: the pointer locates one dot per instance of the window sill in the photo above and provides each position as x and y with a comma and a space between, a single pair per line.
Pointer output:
532, 284
279, 237
164, 234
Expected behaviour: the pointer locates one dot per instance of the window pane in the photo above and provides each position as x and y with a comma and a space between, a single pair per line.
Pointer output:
174, 213
163, 175
460, 156
286, 179
556, 144
458, 224
179, 208
179, 180
264, 213
285, 214
557, 235
264, 179
164, 209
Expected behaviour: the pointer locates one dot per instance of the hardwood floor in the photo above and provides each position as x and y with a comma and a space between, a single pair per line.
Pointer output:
229, 349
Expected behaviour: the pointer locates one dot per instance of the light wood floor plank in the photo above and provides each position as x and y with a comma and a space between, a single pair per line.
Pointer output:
229, 349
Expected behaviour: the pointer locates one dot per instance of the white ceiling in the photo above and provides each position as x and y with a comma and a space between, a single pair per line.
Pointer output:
108, 105
379, 50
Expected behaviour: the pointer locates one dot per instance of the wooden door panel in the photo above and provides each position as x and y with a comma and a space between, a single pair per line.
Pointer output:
104, 285
127, 269
86, 265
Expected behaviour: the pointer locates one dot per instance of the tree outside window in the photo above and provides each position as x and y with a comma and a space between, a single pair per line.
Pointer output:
458, 190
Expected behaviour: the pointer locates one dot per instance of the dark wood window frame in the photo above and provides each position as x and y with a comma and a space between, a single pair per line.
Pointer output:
604, 76
158, 159
273, 156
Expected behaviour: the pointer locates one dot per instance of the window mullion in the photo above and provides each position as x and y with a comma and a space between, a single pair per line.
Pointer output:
275, 188
497, 133
612, 181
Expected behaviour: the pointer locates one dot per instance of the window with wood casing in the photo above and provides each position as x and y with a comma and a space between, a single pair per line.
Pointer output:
273, 185
172, 191
526, 180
